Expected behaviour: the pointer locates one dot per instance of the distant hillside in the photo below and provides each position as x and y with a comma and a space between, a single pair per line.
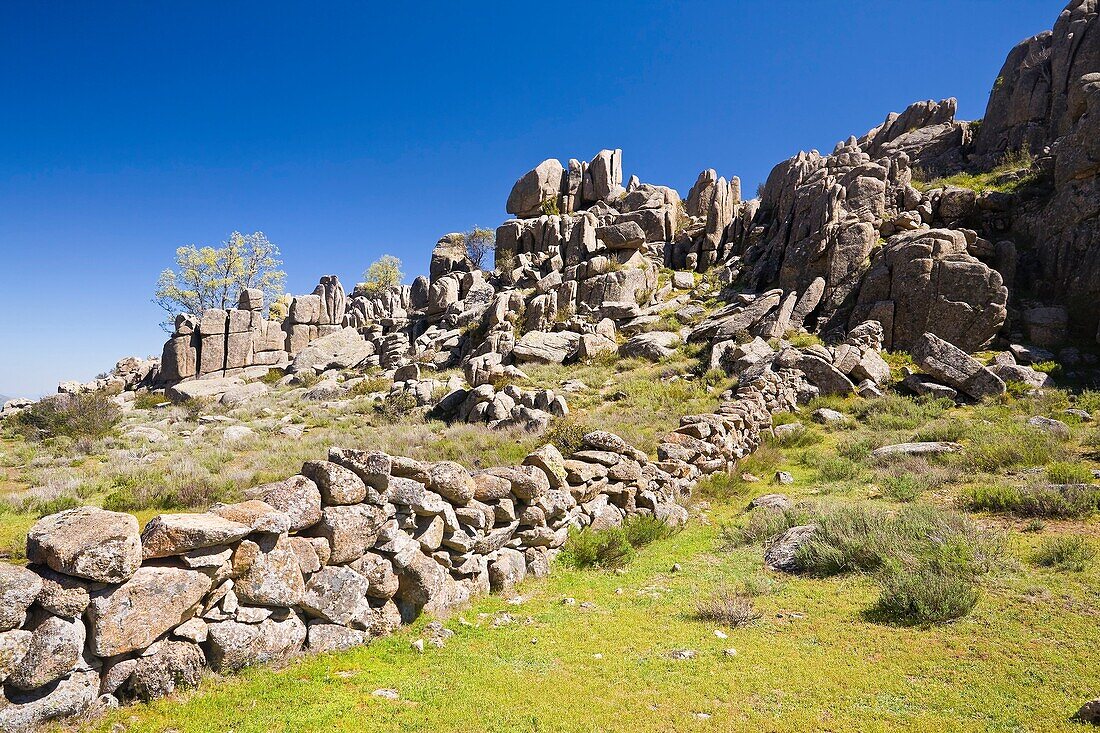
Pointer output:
4, 398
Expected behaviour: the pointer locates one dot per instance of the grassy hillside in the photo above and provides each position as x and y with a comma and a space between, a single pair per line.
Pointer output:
817, 651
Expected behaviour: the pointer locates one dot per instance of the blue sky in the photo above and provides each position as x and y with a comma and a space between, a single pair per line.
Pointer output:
345, 131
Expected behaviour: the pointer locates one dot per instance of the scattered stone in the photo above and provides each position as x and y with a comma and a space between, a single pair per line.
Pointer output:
916, 449
87, 542
1057, 428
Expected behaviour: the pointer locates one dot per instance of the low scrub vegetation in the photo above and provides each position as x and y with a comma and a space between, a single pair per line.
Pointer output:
89, 415
1060, 501
926, 560
1065, 552
613, 547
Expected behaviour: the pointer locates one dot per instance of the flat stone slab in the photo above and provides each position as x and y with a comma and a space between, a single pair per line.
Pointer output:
916, 449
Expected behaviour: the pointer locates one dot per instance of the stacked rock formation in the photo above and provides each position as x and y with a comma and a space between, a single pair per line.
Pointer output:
328, 559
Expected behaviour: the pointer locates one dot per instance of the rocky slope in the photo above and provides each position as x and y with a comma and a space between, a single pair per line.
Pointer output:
869, 247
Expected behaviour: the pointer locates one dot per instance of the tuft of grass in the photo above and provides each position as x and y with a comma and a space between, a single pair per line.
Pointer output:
1065, 472
149, 400
1065, 552
927, 594
727, 607
1011, 174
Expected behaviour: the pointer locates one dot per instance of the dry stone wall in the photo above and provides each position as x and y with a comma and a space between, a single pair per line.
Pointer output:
331, 558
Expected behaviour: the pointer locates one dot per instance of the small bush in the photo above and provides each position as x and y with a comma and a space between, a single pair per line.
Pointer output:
149, 400
395, 407
645, 529
990, 498
1088, 400
896, 412
1064, 472
727, 607
566, 434
720, 485
88, 415
926, 594
369, 385
838, 469
272, 376
605, 549
1066, 552
904, 488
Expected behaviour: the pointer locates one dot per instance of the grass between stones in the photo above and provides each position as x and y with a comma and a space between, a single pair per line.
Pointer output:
1022, 660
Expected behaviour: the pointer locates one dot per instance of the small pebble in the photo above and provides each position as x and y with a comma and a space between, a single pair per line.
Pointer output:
568, 601
597, 656
721, 634
386, 693
676, 568
730, 652
418, 645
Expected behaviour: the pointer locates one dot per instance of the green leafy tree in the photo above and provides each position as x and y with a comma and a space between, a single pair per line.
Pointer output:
480, 243
383, 274
213, 277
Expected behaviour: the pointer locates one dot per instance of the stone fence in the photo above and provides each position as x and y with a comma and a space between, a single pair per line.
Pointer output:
328, 559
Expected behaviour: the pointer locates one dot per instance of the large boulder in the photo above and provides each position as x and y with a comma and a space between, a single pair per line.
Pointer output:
653, 345
340, 350
87, 542
54, 651
297, 497
927, 282
22, 712
954, 367
174, 664
267, 572
196, 389
338, 594
349, 530
131, 616
546, 347
542, 183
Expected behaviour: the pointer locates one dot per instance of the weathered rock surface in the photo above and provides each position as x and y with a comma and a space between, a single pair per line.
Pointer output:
955, 367
88, 543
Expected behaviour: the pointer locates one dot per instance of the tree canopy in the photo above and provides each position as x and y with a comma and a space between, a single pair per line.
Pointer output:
213, 277
383, 274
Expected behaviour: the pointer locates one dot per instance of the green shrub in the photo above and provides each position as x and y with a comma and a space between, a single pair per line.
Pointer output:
1064, 472
606, 549
1088, 400
720, 485
925, 594
88, 415
149, 400
272, 376
897, 412
990, 498
395, 407
566, 434
1065, 552
800, 438
369, 385
904, 488
1007, 444
838, 468
645, 529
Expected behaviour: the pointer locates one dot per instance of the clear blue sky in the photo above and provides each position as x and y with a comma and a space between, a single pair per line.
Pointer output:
348, 130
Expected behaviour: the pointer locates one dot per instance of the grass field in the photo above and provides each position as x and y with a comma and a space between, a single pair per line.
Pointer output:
1023, 660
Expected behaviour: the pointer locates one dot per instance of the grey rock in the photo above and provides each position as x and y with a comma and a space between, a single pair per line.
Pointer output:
18, 589
782, 552
175, 534
87, 542
953, 366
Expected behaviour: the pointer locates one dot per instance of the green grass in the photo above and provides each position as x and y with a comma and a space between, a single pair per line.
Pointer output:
812, 661
997, 179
